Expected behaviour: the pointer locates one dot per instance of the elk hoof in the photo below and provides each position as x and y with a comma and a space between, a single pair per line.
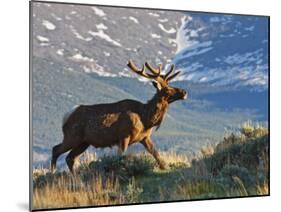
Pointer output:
162, 166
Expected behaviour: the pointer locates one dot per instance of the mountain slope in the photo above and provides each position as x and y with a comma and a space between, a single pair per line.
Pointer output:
224, 50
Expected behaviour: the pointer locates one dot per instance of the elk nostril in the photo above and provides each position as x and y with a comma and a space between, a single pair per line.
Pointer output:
185, 94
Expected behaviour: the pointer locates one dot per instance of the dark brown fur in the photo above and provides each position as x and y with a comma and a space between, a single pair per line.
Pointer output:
122, 123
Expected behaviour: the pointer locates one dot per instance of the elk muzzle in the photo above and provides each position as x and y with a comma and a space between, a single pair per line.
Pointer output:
179, 95
182, 94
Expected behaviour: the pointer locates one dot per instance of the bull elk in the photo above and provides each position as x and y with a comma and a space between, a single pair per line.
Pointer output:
121, 123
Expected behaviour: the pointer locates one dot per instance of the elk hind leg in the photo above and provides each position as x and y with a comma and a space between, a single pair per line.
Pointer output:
70, 158
123, 146
56, 152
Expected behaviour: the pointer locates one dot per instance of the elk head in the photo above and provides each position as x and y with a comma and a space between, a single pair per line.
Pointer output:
161, 81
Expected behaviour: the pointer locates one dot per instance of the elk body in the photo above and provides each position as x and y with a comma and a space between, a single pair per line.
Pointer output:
119, 124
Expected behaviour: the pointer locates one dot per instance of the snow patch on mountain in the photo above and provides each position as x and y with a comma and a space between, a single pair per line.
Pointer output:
104, 36
98, 11
153, 35
42, 39
107, 54
56, 17
154, 14
245, 57
134, 19
101, 26
194, 49
89, 65
169, 31
124, 73
48, 25
80, 57
78, 35
95, 68
60, 52
163, 20
181, 38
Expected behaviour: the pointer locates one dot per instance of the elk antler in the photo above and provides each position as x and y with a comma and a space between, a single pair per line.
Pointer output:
155, 73
141, 72
169, 78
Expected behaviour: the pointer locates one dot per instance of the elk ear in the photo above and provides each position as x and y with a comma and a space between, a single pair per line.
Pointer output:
156, 85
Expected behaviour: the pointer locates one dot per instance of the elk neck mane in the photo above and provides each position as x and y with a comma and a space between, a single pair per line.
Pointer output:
155, 110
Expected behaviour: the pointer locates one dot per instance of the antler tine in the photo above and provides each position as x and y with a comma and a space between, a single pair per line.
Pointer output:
134, 68
173, 76
156, 72
170, 71
160, 67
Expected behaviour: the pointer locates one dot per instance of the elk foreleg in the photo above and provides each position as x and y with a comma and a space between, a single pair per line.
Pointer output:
148, 144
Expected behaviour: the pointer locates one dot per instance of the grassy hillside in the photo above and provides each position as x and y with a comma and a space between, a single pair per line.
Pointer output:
236, 166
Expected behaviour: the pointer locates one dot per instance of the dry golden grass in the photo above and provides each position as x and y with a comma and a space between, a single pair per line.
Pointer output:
70, 191
263, 189
174, 158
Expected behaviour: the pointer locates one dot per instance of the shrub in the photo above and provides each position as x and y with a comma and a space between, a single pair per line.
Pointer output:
229, 141
124, 167
133, 192
251, 131
230, 171
248, 130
